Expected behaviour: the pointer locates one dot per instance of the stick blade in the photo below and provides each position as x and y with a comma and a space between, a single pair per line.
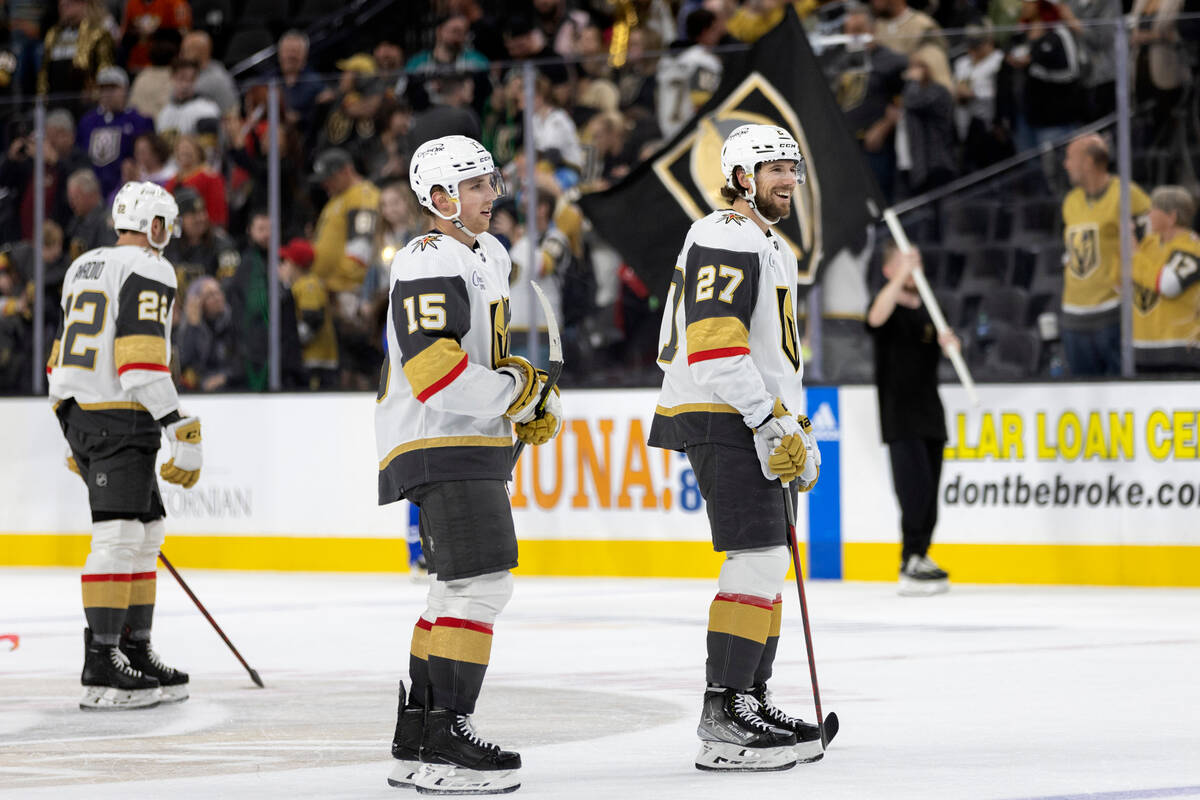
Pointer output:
829, 728
257, 680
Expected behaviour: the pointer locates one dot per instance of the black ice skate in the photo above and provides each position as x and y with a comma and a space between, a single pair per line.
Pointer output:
109, 683
920, 576
808, 736
406, 743
454, 760
734, 737
142, 657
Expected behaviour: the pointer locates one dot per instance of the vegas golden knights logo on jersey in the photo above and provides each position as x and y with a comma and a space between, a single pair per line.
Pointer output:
501, 314
1083, 256
1145, 298
692, 169
852, 88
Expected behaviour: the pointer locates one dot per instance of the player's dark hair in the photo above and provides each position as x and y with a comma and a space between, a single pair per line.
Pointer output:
730, 194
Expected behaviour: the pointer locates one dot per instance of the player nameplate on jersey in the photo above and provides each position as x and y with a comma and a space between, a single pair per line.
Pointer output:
1083, 246
692, 169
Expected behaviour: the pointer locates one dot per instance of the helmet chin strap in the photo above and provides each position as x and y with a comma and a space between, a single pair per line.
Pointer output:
454, 219
754, 206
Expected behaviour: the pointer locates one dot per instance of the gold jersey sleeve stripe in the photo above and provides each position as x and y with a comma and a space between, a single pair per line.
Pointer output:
53, 359
140, 352
716, 337
434, 368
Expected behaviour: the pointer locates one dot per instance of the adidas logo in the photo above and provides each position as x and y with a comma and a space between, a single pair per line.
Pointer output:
825, 424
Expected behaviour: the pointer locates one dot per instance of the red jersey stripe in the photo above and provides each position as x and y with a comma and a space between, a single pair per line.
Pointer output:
147, 367
444, 381
720, 352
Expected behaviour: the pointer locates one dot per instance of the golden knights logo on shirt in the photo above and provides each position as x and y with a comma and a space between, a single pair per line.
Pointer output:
428, 240
852, 88
1083, 249
692, 169
1145, 298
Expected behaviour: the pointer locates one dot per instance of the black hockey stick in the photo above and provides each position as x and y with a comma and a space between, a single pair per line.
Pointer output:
188, 591
827, 725
553, 370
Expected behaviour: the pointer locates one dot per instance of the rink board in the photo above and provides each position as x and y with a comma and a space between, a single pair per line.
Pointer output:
1065, 483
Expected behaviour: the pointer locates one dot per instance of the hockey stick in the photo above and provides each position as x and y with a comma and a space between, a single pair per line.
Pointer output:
827, 725
555, 368
187, 590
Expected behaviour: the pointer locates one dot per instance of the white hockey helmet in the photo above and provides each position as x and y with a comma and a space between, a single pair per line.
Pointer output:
447, 162
751, 145
138, 203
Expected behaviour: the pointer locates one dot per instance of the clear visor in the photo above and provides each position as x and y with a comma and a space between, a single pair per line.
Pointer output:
493, 179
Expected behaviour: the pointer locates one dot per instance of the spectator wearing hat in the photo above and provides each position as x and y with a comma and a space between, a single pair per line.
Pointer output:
202, 249
108, 131
347, 119
314, 319
193, 171
143, 19
212, 79
88, 227
344, 248
182, 115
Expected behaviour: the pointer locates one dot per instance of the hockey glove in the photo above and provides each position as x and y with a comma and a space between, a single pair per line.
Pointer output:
183, 467
812, 462
779, 443
539, 431
522, 402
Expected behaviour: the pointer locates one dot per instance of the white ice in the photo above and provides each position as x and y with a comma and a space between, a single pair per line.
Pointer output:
986, 692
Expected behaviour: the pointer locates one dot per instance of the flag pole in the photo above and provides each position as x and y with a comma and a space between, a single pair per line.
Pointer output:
931, 304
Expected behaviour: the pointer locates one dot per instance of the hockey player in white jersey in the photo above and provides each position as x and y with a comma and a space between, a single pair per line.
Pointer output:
110, 382
731, 360
450, 398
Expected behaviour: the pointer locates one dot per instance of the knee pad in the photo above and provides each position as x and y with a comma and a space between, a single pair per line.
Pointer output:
153, 535
759, 572
481, 598
115, 544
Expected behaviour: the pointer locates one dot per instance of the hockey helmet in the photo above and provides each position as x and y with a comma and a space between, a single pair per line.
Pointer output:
751, 145
138, 203
447, 162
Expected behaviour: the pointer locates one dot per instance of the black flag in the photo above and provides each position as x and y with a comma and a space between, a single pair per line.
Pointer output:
778, 81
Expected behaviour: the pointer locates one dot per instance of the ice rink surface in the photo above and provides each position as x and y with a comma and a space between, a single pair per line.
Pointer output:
987, 692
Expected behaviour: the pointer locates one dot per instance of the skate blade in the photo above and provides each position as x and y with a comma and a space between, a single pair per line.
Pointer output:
915, 588
175, 694
808, 752
107, 698
449, 779
728, 757
404, 773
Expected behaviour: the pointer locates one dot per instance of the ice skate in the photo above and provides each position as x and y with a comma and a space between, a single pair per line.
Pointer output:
734, 737
110, 683
454, 760
406, 743
808, 736
173, 682
920, 576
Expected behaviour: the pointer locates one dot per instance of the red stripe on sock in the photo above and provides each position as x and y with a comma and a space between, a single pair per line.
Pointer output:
778, 599
145, 576
468, 624
424, 624
744, 599
103, 578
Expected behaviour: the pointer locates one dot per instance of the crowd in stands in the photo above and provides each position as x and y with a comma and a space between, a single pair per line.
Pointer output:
177, 93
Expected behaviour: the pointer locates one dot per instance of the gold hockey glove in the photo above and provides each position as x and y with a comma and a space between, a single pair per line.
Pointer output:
183, 468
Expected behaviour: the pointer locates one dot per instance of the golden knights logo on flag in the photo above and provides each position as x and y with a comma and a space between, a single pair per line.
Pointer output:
777, 82
692, 168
